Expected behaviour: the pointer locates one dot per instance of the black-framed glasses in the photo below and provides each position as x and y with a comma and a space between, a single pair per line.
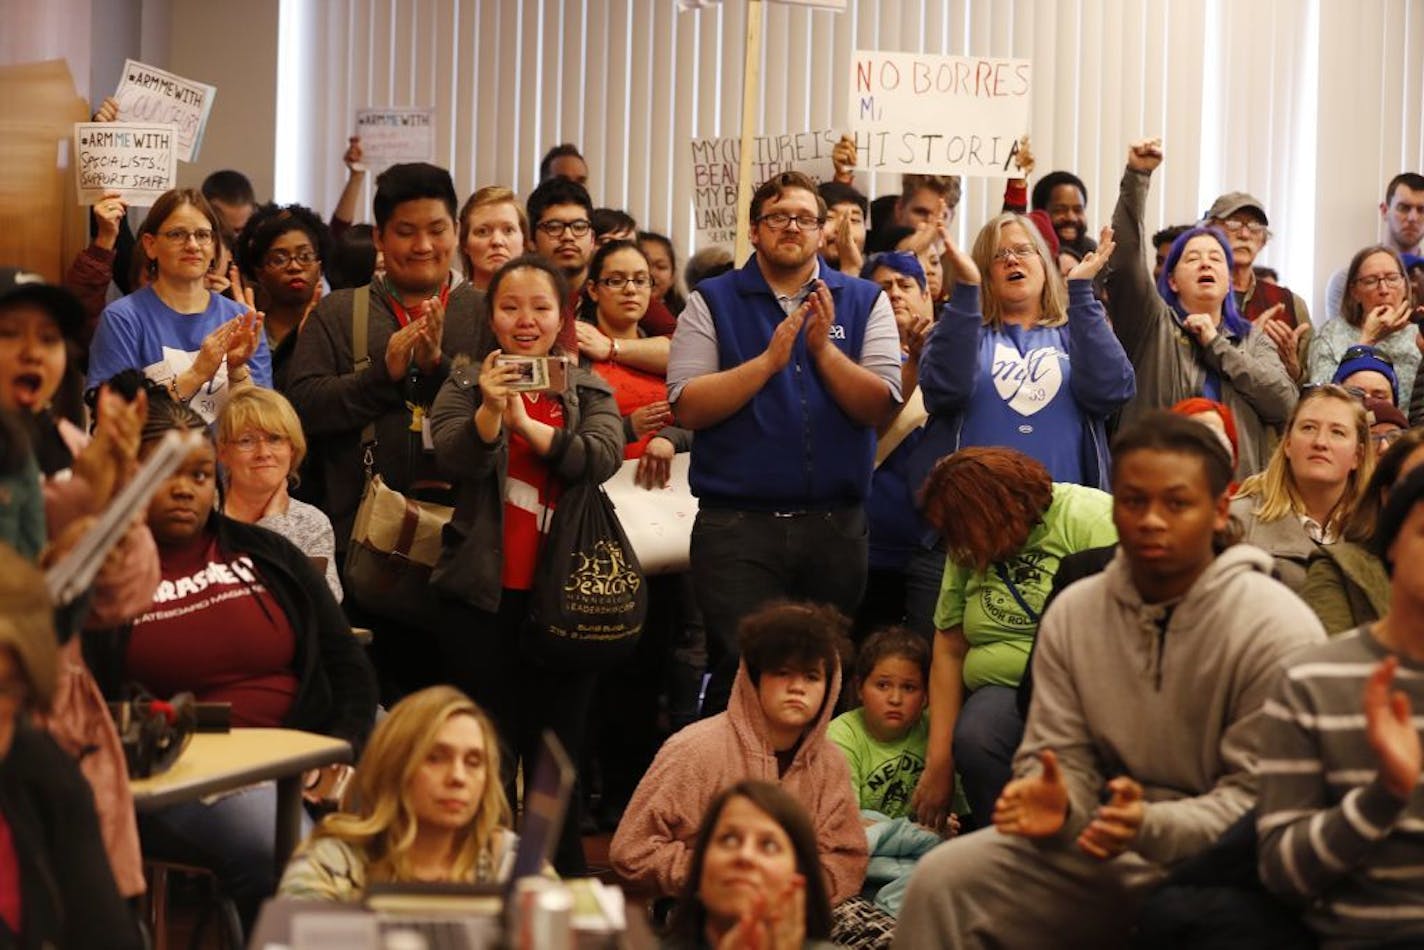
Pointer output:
180, 236
1374, 280
556, 229
619, 281
780, 221
280, 259
1364, 350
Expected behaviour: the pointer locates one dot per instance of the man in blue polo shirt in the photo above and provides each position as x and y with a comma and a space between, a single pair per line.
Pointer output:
784, 368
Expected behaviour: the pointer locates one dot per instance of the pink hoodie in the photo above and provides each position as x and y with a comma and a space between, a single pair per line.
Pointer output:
653, 845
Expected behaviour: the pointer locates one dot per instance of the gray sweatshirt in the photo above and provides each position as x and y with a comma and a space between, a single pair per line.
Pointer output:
1169, 695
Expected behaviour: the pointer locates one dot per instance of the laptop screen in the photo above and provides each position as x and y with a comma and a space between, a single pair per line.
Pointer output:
546, 800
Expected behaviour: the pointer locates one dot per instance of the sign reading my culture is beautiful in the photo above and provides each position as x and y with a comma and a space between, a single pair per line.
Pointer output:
147, 94
716, 164
940, 115
392, 136
137, 160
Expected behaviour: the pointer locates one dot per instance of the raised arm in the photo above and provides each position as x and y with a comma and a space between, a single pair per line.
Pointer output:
949, 362
1133, 303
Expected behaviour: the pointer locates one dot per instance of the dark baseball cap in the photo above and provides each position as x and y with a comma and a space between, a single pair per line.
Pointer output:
23, 287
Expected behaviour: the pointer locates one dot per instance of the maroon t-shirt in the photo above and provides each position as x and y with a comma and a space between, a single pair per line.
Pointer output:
11, 903
215, 630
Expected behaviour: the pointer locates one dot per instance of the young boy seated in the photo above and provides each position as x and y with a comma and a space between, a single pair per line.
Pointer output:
884, 744
774, 729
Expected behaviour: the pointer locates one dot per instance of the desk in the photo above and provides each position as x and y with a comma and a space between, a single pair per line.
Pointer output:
217, 762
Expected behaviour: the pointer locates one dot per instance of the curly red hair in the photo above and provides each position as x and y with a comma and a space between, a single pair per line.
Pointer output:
985, 501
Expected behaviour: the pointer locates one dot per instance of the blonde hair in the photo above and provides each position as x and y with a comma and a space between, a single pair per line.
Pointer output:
1052, 301
376, 814
1275, 489
265, 410
484, 198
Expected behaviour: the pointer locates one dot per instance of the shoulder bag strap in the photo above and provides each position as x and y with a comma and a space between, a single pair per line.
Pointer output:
1003, 573
360, 360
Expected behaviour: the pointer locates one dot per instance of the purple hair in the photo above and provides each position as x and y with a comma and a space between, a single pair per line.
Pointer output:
1236, 324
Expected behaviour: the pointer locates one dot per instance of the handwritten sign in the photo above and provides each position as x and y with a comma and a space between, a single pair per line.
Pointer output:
658, 522
716, 163
138, 160
392, 136
941, 115
149, 94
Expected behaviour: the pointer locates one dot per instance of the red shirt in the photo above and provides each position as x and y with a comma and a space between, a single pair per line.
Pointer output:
11, 904
632, 389
217, 631
531, 492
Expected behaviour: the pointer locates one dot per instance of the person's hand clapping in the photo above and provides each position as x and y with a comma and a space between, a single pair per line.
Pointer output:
1390, 731
1145, 155
1286, 338
1034, 807
850, 254
1116, 824
783, 339
819, 319
430, 339
1093, 261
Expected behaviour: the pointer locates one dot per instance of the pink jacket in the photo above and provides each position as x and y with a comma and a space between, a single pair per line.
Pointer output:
653, 845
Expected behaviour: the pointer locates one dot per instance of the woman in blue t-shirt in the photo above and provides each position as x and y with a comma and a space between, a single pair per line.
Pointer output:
198, 344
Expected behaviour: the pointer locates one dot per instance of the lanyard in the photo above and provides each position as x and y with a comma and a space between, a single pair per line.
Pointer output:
403, 316
1013, 589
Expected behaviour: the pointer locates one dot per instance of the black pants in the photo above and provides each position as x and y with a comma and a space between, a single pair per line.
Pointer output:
483, 654
742, 559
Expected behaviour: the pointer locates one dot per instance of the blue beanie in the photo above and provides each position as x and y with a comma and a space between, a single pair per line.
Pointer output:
1361, 358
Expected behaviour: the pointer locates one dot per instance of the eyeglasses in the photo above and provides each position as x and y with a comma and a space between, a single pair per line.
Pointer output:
780, 221
1385, 439
1253, 228
1015, 252
1374, 280
249, 442
1359, 350
204, 236
556, 229
280, 259
618, 281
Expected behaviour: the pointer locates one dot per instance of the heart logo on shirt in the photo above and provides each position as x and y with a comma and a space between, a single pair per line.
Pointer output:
1027, 381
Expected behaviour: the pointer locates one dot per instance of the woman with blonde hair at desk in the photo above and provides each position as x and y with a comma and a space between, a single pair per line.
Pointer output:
426, 804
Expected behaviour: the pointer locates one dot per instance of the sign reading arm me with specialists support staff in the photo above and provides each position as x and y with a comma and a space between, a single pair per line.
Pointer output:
938, 115
138, 161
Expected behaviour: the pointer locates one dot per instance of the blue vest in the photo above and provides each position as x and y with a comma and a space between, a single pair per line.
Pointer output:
791, 447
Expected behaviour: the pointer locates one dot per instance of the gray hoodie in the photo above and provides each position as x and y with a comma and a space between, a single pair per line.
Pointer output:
1169, 695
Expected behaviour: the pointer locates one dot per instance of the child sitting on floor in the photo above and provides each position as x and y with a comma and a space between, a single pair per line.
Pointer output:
884, 745
774, 729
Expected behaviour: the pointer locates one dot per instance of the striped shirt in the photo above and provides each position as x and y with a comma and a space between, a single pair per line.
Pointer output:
1330, 833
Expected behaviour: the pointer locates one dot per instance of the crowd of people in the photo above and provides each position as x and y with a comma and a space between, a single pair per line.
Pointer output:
1035, 596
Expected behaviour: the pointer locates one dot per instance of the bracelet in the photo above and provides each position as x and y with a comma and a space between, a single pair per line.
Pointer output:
613, 352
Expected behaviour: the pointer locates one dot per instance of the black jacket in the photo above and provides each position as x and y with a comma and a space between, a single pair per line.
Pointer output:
336, 687
68, 895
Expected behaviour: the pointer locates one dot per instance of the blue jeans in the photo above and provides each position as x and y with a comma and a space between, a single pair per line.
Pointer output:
986, 735
234, 837
743, 559
924, 576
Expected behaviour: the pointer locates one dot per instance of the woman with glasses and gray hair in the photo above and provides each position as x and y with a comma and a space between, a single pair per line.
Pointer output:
1374, 313
200, 345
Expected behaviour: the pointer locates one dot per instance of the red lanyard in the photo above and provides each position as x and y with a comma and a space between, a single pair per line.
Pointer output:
403, 316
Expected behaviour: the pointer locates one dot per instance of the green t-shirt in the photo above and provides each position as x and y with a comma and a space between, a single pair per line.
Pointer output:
884, 775
1000, 632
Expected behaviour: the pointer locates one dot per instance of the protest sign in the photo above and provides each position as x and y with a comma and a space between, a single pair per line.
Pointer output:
392, 136
941, 115
151, 95
137, 160
658, 522
715, 164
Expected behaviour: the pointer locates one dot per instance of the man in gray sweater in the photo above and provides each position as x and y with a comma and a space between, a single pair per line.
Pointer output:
1341, 815
1148, 685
